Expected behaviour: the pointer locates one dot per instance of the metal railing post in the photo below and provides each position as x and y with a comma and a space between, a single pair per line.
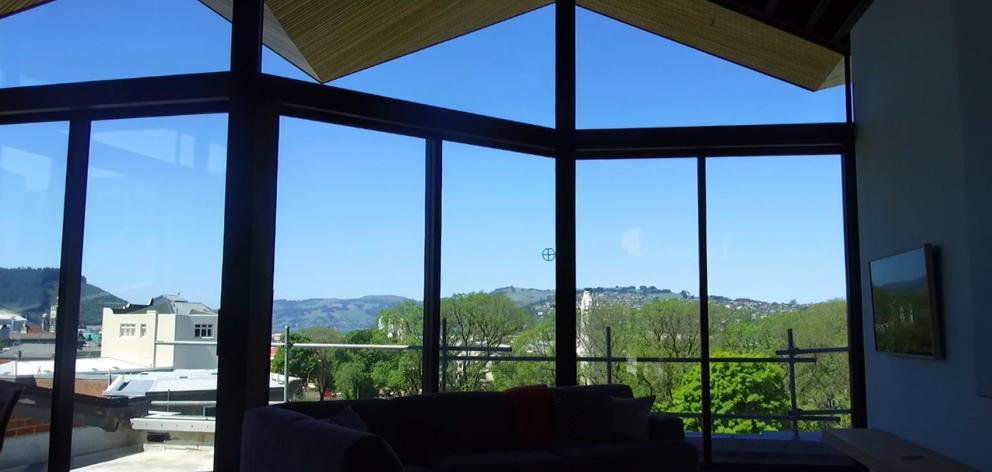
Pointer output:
794, 412
609, 356
285, 364
444, 355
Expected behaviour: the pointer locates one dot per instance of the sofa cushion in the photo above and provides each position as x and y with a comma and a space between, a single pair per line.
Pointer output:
279, 440
629, 417
447, 423
630, 456
582, 416
665, 427
415, 468
533, 416
511, 461
613, 390
375, 413
347, 418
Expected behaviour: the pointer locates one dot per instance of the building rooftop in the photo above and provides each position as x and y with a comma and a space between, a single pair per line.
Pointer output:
29, 352
168, 304
180, 380
96, 365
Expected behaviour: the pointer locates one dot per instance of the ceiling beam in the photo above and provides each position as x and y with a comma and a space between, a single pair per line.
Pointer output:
817, 14
795, 30
848, 25
770, 7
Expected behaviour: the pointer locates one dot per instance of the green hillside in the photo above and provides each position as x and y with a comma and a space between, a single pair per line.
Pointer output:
31, 292
344, 314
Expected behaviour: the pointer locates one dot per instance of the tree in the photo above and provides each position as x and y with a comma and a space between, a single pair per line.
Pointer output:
322, 375
483, 320
302, 362
397, 373
353, 377
536, 340
737, 388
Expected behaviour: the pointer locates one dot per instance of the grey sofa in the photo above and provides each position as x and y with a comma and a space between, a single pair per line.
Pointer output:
451, 432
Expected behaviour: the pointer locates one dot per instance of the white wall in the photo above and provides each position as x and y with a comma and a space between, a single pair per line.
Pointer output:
136, 349
195, 357
922, 69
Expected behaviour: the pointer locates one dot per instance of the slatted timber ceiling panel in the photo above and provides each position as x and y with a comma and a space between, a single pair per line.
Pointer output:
273, 35
329, 39
9, 7
731, 36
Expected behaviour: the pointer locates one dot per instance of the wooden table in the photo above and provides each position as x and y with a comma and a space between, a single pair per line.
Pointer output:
885, 452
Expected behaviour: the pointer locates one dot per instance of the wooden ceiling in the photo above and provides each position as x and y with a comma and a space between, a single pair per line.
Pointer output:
9, 7
802, 42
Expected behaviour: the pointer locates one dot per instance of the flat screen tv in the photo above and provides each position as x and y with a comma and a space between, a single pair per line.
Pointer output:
905, 300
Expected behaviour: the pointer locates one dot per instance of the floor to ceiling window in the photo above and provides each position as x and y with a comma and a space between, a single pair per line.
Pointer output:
150, 301
778, 316
497, 269
637, 268
32, 188
349, 263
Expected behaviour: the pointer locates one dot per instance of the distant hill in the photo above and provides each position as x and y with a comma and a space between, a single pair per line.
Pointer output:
345, 314
31, 292
524, 297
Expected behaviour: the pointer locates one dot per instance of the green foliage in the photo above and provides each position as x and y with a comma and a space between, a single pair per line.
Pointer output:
664, 327
32, 292
478, 319
322, 375
302, 362
737, 388
537, 340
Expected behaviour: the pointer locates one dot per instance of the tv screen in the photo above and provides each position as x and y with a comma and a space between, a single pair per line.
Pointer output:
904, 298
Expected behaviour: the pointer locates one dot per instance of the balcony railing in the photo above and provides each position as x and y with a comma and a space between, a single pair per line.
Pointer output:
791, 356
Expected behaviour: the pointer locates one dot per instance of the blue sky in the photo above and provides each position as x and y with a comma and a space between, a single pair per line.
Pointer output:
350, 205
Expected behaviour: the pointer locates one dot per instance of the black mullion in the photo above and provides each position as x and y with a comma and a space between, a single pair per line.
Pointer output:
70, 284
432, 266
852, 251
704, 313
848, 89
566, 370
245, 322
855, 314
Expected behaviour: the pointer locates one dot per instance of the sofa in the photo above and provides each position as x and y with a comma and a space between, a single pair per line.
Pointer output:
557, 430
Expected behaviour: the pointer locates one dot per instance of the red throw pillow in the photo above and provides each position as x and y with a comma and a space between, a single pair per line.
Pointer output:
533, 415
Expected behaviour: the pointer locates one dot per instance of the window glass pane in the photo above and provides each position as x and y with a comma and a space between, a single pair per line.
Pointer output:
152, 265
497, 288
75, 41
627, 78
776, 264
638, 272
32, 193
505, 70
349, 265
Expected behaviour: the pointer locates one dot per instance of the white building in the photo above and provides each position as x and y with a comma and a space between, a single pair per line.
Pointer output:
141, 333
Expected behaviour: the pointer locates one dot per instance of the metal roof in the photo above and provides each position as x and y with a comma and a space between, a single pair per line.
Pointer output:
180, 380
96, 365
33, 351
168, 305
